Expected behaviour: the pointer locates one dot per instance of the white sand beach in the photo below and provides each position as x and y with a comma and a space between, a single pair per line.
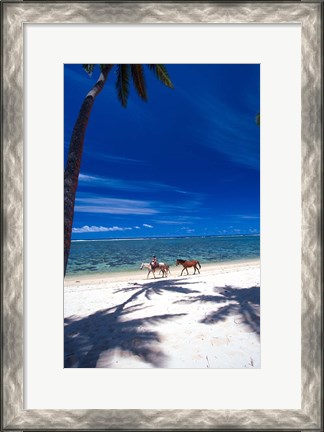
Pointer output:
206, 320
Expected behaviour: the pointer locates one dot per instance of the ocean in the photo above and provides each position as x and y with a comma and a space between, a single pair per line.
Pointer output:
90, 257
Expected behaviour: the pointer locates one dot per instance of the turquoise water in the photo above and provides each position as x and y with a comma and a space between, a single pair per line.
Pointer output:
114, 255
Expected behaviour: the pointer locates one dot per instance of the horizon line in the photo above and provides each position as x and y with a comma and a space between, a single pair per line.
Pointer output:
168, 237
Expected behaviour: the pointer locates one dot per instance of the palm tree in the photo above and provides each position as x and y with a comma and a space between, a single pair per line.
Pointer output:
124, 73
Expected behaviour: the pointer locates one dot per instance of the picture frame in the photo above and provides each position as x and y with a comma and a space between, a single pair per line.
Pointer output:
14, 14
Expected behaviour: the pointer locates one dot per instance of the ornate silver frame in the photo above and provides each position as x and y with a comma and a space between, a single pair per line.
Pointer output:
13, 15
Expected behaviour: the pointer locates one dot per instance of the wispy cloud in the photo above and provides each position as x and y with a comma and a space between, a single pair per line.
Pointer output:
230, 132
115, 159
182, 210
188, 230
134, 185
114, 206
180, 220
169, 222
111, 183
248, 216
253, 230
96, 229
148, 226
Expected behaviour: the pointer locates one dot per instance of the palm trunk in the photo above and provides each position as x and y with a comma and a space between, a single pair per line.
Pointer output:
72, 169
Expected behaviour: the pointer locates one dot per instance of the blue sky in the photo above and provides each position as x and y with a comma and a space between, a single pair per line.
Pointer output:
186, 162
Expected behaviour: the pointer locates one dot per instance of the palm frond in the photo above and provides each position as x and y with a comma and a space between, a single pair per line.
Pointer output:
161, 73
88, 68
105, 67
139, 80
122, 83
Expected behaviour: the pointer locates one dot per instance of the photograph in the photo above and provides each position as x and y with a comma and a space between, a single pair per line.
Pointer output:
162, 216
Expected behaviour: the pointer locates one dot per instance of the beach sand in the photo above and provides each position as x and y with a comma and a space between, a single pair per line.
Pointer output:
123, 320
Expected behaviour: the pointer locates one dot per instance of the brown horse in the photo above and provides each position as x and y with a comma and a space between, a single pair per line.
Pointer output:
186, 264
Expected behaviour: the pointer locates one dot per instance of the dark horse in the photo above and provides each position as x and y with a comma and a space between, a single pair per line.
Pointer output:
186, 264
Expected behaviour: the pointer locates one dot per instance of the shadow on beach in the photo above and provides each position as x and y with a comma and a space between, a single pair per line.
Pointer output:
85, 339
123, 331
243, 303
159, 286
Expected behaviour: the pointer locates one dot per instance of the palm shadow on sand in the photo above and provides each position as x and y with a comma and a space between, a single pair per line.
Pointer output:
85, 339
158, 287
243, 303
